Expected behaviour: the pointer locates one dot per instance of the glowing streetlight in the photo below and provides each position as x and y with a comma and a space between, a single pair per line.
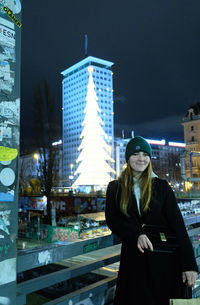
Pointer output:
71, 168
36, 156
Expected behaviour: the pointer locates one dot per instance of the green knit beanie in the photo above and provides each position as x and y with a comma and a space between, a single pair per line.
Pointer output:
135, 145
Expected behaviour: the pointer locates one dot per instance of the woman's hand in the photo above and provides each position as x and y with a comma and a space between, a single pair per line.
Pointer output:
144, 243
190, 277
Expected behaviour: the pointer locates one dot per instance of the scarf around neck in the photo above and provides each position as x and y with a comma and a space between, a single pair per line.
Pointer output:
137, 190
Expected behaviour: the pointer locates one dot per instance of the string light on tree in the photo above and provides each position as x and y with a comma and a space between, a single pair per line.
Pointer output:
93, 169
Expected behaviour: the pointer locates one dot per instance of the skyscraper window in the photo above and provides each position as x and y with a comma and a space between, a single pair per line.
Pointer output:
74, 88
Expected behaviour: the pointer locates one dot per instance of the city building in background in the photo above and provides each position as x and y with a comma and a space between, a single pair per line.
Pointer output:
57, 168
31, 170
165, 159
120, 147
191, 124
165, 162
74, 93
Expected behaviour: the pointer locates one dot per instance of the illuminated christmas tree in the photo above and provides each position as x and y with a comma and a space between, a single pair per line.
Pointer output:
95, 153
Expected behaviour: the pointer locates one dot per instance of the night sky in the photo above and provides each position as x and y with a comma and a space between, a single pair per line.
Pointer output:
155, 47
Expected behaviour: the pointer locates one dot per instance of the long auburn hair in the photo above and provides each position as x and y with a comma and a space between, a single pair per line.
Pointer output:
126, 181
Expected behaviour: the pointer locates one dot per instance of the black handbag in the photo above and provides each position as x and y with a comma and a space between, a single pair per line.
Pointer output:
162, 238
186, 292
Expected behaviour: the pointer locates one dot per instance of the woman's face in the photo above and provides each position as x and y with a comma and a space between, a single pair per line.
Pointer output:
139, 162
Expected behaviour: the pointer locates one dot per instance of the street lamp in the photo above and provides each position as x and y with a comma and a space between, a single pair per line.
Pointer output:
36, 156
71, 167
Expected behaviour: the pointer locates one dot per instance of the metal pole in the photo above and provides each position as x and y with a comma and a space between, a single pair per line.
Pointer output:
86, 45
191, 174
10, 47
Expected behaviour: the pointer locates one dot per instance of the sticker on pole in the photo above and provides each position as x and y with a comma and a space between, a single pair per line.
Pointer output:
7, 154
7, 176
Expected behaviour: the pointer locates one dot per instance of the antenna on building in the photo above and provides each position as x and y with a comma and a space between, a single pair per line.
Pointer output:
132, 134
86, 45
123, 133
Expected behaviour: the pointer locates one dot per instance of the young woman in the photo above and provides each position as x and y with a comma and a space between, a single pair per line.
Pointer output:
139, 197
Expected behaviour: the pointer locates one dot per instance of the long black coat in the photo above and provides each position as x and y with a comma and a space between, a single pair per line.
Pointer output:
150, 278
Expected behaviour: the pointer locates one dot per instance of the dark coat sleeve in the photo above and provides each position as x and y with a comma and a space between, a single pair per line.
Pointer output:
176, 222
126, 228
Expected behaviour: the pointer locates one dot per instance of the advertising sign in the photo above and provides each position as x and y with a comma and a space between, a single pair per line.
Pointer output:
33, 203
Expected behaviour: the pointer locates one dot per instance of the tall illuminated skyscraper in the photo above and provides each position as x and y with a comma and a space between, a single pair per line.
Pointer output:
74, 92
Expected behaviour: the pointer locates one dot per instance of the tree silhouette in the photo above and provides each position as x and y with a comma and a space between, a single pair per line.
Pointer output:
45, 131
